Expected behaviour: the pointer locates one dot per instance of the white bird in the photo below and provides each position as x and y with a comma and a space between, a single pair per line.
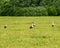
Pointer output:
5, 26
32, 26
53, 24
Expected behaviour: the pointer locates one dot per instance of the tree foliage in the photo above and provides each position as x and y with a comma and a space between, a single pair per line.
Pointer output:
29, 7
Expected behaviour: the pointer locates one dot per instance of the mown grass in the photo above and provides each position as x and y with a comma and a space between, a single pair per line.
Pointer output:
18, 35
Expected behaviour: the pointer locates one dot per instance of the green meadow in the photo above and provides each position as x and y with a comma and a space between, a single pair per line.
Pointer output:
19, 35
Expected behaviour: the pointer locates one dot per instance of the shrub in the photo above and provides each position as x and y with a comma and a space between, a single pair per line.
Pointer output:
31, 11
52, 11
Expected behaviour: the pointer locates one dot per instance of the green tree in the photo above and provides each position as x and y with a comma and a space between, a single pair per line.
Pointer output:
57, 4
7, 9
52, 11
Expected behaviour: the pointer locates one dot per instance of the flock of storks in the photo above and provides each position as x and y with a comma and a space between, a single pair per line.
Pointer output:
31, 26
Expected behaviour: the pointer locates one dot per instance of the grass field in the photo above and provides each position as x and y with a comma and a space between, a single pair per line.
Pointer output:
18, 35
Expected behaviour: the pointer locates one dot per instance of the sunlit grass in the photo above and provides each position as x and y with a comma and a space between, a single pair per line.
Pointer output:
18, 35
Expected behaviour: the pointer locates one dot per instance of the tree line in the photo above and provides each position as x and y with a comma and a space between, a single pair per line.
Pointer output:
29, 7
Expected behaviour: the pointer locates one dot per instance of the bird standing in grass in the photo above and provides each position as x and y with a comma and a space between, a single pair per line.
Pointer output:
32, 26
53, 24
5, 26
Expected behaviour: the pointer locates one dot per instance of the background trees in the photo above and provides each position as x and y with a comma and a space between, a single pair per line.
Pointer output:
29, 7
